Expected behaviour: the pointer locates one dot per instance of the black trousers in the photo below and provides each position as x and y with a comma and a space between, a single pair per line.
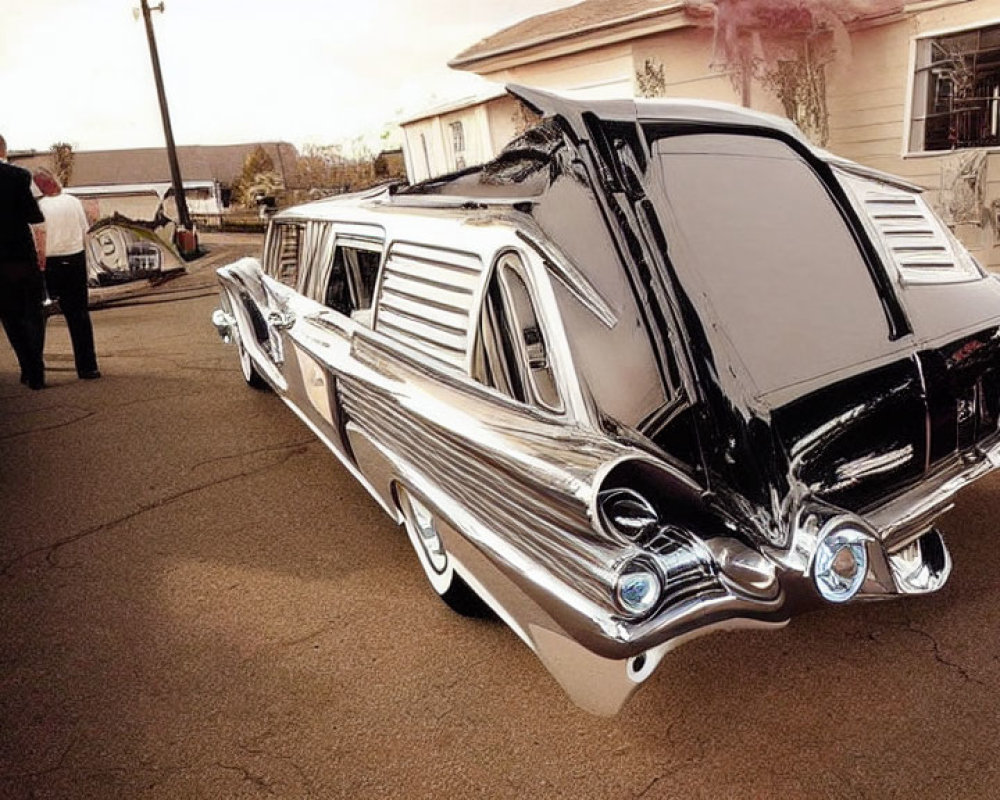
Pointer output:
66, 280
22, 317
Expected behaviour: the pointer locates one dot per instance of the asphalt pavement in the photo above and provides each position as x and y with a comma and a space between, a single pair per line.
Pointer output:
196, 600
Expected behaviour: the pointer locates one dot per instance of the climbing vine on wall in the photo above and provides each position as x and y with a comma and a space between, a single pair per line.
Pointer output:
799, 82
785, 46
651, 80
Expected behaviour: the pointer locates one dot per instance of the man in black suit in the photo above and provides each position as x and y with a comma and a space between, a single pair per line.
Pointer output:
21, 287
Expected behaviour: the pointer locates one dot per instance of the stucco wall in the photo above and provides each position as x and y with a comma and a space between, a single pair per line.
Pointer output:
420, 160
603, 71
687, 58
502, 113
135, 206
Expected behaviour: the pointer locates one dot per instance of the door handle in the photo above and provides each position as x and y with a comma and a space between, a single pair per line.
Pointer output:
281, 320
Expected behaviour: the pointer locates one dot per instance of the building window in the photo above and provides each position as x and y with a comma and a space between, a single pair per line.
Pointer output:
457, 137
956, 91
458, 144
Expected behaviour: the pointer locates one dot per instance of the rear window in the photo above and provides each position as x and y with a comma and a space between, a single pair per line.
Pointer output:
782, 286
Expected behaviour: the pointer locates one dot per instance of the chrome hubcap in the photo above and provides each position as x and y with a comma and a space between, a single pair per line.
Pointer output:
427, 535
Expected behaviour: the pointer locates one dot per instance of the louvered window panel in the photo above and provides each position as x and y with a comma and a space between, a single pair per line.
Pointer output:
425, 299
283, 259
917, 243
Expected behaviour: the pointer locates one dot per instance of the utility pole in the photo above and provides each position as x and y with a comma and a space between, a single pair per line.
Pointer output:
175, 169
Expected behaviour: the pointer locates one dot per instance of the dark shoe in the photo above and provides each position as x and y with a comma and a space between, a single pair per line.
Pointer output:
36, 383
24, 379
90, 375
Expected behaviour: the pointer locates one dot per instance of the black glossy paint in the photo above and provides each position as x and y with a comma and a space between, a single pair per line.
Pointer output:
858, 440
963, 392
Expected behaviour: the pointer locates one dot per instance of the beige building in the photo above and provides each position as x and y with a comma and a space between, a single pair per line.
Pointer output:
910, 88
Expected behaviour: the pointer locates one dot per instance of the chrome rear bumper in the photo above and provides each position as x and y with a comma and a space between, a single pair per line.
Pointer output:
905, 518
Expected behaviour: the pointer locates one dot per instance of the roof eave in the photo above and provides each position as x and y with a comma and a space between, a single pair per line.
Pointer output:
468, 62
454, 106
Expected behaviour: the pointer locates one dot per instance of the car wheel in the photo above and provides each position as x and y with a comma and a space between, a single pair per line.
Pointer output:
248, 368
435, 560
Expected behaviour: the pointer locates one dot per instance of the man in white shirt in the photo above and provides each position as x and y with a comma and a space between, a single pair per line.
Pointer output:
66, 267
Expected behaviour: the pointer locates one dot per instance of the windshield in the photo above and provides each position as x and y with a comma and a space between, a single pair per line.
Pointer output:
782, 289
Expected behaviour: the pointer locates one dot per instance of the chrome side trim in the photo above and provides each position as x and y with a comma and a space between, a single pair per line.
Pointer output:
563, 268
914, 572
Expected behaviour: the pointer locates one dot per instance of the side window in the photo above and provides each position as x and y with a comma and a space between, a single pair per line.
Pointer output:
351, 285
514, 356
286, 249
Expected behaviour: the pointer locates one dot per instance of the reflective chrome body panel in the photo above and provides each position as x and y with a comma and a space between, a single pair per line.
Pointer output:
530, 363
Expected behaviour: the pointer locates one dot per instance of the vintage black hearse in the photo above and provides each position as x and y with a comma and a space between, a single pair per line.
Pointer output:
661, 368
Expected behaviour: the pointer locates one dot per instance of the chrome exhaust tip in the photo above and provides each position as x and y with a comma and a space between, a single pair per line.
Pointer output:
922, 566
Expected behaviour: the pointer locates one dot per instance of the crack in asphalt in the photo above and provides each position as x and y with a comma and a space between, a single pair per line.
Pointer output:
155, 399
37, 409
936, 648
227, 367
260, 751
87, 414
306, 637
691, 761
257, 780
664, 776
267, 449
48, 771
159, 299
50, 550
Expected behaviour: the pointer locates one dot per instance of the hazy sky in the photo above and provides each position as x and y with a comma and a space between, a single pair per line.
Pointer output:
305, 71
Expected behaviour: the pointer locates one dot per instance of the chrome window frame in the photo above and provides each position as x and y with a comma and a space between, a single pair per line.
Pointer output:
553, 334
511, 260
314, 272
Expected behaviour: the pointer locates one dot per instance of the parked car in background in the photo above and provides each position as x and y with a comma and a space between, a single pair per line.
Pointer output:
660, 369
